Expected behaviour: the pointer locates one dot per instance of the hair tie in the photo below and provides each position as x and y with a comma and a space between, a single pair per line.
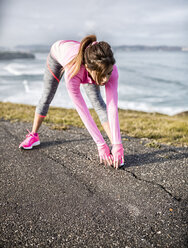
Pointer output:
94, 42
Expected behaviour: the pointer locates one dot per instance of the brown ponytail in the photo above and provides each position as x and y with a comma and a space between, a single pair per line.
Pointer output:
74, 64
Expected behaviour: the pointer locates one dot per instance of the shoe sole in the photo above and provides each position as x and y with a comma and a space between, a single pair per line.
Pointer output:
30, 147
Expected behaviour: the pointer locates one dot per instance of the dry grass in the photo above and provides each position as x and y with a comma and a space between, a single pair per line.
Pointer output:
159, 128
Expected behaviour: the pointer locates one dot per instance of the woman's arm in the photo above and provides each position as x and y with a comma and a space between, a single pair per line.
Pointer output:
106, 128
111, 88
73, 87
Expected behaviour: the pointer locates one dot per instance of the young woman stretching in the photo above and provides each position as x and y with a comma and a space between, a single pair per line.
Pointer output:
92, 64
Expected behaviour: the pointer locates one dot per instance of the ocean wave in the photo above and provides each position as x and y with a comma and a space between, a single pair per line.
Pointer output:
21, 69
167, 81
143, 85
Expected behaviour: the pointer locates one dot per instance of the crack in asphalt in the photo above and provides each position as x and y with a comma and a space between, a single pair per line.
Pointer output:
157, 184
69, 173
91, 191
178, 199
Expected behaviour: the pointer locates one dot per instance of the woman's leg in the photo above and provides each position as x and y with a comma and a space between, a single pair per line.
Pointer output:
94, 95
37, 122
51, 79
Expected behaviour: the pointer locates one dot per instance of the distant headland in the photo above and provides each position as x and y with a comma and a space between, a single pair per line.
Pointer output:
8, 55
27, 51
46, 48
150, 48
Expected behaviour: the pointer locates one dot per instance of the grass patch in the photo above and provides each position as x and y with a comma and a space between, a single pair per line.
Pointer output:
171, 130
159, 128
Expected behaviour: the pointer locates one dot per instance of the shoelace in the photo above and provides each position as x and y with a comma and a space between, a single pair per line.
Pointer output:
30, 134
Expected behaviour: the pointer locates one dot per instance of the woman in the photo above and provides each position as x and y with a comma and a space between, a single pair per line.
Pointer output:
92, 64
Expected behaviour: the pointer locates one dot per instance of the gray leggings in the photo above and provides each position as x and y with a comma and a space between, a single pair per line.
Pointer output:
52, 76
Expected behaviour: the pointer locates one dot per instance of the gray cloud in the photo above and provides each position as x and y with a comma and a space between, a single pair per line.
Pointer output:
161, 22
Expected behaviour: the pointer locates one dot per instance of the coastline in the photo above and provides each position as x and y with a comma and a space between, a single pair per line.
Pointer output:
155, 127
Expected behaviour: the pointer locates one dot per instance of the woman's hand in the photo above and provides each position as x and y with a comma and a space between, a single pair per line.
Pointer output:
118, 155
104, 154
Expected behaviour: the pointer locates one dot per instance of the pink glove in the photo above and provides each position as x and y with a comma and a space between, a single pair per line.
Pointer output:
104, 153
118, 154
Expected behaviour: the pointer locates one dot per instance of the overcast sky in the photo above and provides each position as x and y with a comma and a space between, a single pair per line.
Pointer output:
119, 22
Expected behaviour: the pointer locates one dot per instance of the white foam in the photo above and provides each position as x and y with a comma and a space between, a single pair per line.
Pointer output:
26, 86
62, 99
21, 69
10, 68
146, 107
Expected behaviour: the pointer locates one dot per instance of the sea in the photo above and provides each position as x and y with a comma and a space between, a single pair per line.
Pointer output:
150, 81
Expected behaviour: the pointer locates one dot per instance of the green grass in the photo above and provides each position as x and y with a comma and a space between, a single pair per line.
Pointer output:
158, 128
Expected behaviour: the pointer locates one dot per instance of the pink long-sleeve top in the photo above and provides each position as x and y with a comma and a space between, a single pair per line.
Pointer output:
64, 51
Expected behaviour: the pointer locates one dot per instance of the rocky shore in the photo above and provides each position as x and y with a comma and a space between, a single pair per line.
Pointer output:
9, 55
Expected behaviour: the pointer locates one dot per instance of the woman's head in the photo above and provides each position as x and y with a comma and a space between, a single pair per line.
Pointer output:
97, 57
99, 60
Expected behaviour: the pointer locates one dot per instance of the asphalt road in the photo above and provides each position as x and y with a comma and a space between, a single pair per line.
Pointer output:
58, 195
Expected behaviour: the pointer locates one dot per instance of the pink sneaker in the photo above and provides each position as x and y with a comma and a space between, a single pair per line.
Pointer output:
30, 141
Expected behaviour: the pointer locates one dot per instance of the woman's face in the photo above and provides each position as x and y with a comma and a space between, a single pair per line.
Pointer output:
105, 78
